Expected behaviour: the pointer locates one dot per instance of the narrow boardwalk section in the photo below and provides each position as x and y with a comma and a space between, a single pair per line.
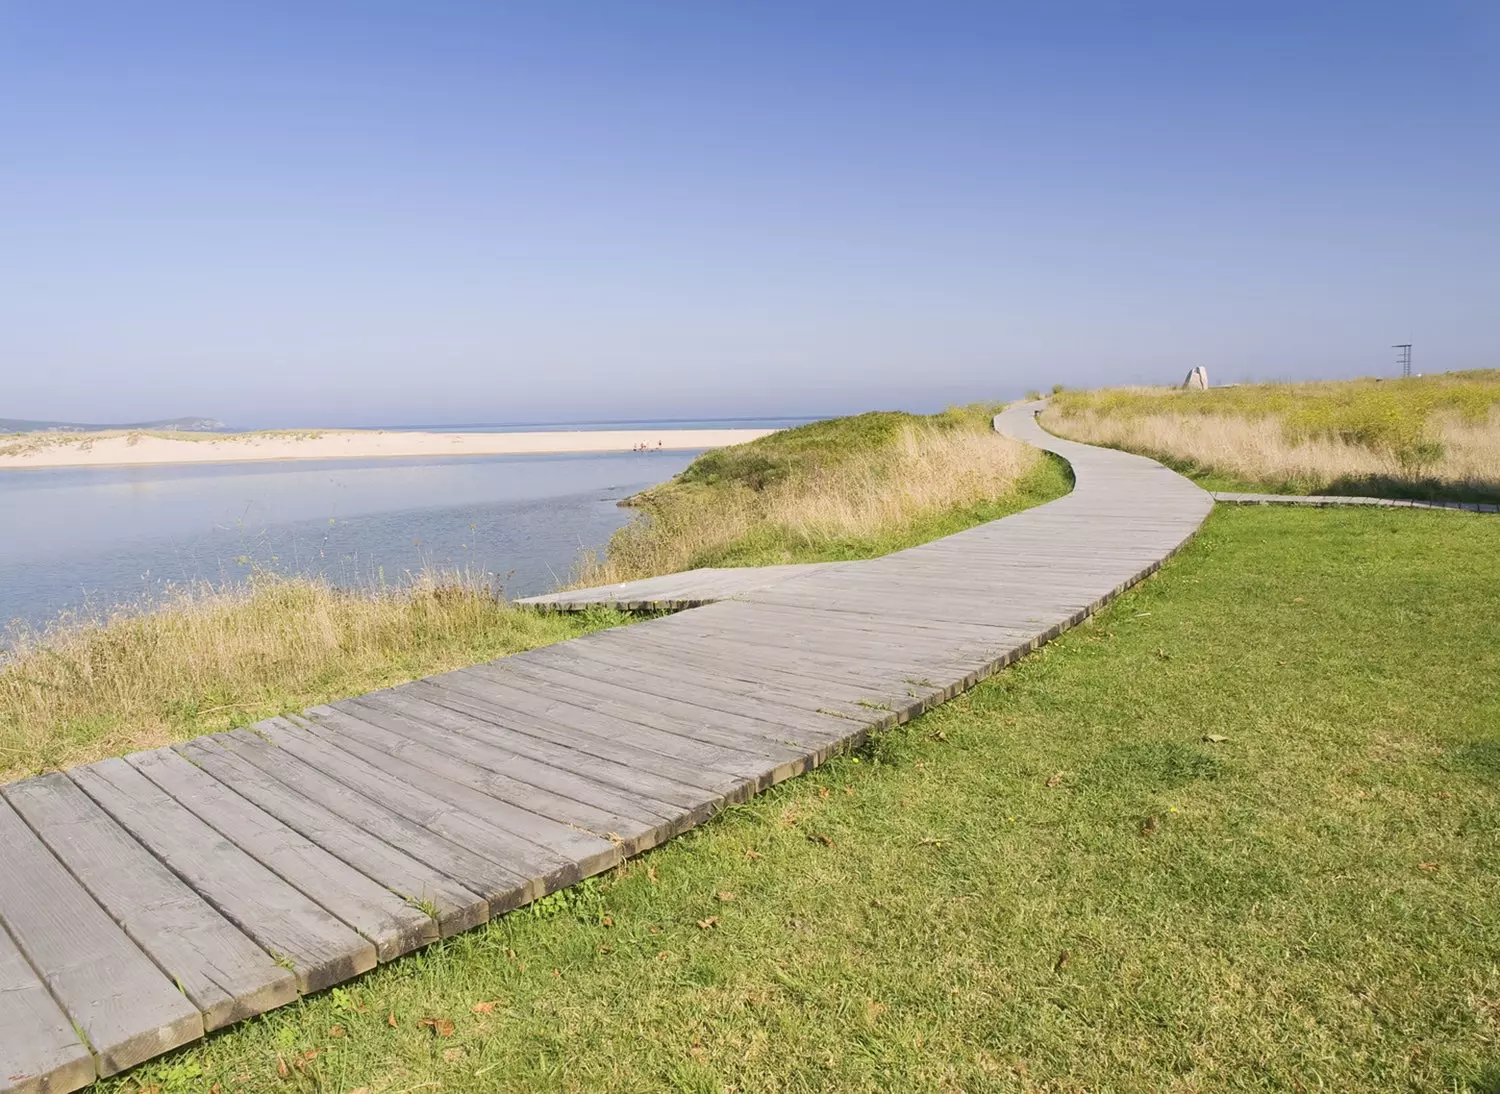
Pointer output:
1327, 501
147, 900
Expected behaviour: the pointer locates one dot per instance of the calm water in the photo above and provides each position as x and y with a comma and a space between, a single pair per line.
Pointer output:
95, 537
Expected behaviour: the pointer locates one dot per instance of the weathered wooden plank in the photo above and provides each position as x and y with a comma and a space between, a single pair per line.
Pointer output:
717, 768
320, 950
555, 770
543, 868
779, 733
40, 1051
623, 825
587, 852
717, 691
502, 888
393, 924
221, 971
110, 990
540, 744
457, 909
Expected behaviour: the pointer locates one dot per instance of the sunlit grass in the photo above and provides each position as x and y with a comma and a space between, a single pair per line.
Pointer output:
209, 657
1431, 436
840, 489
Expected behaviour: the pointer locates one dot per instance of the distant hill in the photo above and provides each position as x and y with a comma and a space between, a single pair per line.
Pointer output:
183, 425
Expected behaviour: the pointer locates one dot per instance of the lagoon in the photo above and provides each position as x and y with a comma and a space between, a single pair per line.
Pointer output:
86, 539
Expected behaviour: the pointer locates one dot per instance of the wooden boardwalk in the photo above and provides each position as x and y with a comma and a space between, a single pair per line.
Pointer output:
147, 900
1334, 501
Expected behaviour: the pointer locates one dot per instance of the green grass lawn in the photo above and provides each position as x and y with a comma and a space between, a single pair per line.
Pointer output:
1240, 832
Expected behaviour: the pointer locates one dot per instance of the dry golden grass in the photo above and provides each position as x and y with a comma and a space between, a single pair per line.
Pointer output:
886, 490
1426, 437
210, 658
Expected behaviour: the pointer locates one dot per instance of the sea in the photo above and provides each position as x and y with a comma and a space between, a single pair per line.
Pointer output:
83, 541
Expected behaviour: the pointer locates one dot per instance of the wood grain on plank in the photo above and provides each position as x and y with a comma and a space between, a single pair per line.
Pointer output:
225, 974
456, 908
121, 1002
40, 1051
394, 924
320, 950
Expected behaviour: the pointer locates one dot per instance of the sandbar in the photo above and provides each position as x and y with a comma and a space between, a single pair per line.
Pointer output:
130, 449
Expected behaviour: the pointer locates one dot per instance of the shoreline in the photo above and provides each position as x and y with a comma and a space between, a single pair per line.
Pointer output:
144, 449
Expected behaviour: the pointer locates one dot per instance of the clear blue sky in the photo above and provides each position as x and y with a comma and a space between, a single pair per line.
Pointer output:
354, 213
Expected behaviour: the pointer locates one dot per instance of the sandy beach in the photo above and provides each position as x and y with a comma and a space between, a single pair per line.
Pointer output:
115, 449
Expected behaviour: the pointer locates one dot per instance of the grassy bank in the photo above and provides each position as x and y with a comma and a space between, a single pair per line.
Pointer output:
209, 658
1242, 832
1423, 437
839, 489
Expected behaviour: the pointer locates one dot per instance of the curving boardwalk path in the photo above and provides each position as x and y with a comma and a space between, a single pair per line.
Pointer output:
149, 899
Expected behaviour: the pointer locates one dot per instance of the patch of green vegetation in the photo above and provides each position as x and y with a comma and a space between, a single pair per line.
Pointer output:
816, 447
1241, 832
772, 544
845, 488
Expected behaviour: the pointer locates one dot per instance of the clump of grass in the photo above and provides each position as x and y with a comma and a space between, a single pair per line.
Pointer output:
839, 489
1430, 436
210, 657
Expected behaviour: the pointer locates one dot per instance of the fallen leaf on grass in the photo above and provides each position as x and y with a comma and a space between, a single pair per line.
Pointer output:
1062, 961
443, 1027
1149, 827
724, 895
335, 1031
651, 874
451, 1054
708, 924
874, 1010
282, 1071
607, 920
1214, 738
940, 736
486, 1007
823, 792
1430, 867
753, 856
663, 955
1054, 780
818, 837
390, 1020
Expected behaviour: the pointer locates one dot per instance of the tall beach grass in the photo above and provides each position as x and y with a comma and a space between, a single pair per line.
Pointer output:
208, 657
844, 488
1430, 436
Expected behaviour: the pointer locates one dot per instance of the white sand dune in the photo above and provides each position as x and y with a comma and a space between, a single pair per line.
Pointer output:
86, 450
